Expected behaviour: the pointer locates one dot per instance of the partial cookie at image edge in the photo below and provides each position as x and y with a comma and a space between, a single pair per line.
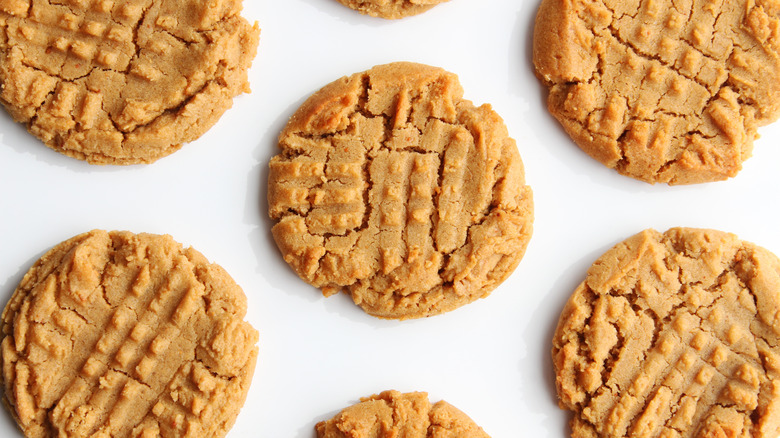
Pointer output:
114, 82
391, 9
660, 94
674, 332
392, 414
115, 332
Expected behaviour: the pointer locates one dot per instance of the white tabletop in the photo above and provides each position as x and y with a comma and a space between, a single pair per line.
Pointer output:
491, 358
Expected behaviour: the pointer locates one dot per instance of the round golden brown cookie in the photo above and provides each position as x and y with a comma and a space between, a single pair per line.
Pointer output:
122, 81
393, 414
120, 334
392, 187
662, 91
391, 9
673, 335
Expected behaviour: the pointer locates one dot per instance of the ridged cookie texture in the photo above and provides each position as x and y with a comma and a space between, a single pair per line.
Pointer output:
122, 81
660, 90
393, 188
673, 335
392, 414
126, 335
391, 9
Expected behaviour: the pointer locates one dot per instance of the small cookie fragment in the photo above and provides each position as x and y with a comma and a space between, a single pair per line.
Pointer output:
121, 334
122, 81
659, 90
393, 414
391, 9
393, 188
674, 334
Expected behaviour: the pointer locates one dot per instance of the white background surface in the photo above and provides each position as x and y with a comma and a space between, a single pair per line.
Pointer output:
491, 358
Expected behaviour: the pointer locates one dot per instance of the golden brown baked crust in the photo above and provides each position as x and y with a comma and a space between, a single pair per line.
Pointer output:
122, 81
673, 335
393, 414
393, 188
118, 334
662, 91
391, 9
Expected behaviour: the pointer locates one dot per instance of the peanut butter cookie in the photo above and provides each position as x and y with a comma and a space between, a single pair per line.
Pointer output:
660, 90
117, 334
392, 187
122, 81
673, 335
392, 414
391, 9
